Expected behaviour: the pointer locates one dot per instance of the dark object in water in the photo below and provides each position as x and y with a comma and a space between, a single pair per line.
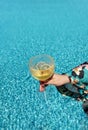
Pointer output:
85, 106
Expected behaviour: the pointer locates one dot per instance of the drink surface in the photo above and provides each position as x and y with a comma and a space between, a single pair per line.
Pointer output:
42, 71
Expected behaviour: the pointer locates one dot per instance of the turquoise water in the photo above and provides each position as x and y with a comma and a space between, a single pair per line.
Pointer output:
27, 28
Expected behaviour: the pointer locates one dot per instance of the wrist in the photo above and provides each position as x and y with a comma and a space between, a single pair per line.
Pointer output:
66, 79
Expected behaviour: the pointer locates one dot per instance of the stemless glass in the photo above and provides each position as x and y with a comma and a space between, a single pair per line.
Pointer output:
41, 67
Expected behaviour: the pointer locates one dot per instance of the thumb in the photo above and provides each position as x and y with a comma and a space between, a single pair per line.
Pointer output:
42, 86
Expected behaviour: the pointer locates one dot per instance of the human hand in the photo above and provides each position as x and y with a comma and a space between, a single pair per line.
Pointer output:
56, 79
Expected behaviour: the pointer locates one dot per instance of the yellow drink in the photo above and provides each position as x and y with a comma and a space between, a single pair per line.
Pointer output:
42, 71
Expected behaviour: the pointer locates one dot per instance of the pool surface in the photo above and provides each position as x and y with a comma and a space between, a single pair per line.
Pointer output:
27, 28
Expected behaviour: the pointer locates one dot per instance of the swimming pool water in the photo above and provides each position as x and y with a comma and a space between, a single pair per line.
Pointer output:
27, 28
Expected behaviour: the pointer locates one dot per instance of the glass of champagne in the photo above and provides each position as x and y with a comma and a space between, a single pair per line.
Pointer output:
41, 67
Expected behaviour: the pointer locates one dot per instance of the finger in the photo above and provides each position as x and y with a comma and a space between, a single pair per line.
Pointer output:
42, 88
49, 82
46, 83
